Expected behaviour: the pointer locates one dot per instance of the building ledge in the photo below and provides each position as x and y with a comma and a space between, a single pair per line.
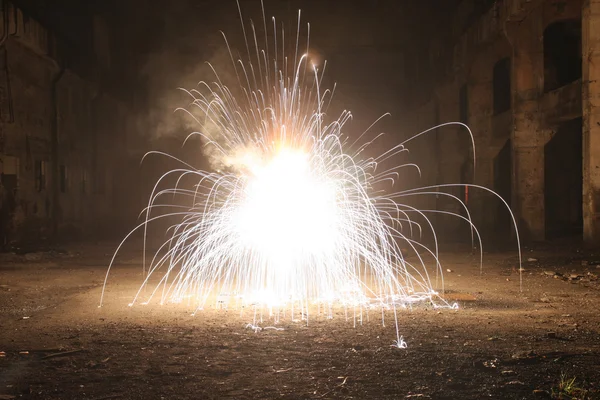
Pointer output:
562, 104
501, 127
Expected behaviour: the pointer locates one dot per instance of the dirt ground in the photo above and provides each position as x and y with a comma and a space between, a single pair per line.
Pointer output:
55, 343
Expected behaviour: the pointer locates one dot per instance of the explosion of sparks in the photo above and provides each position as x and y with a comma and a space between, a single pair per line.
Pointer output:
290, 218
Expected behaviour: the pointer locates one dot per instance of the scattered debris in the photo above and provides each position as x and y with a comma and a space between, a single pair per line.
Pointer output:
111, 396
574, 277
61, 354
524, 355
541, 393
34, 256
592, 277
491, 363
459, 297
95, 365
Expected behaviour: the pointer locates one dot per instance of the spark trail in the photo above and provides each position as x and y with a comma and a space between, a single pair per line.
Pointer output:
289, 218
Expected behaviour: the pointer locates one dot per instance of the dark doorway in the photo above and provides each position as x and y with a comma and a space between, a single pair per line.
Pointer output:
563, 181
562, 54
501, 86
502, 187
9, 183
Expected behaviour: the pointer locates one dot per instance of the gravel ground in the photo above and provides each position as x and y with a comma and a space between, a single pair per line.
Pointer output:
503, 342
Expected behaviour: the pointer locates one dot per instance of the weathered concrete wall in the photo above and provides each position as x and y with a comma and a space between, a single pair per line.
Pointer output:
64, 184
515, 29
75, 148
591, 120
423, 151
26, 131
451, 150
528, 135
459, 163
562, 104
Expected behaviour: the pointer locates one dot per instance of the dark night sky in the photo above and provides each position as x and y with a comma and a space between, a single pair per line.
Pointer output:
162, 45
143, 27
365, 43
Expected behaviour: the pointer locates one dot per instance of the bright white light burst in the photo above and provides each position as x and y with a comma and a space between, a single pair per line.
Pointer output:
290, 219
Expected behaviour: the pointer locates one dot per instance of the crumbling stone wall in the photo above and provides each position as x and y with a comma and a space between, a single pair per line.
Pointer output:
515, 29
66, 148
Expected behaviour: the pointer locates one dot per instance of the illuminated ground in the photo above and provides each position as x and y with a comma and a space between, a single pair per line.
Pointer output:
501, 344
